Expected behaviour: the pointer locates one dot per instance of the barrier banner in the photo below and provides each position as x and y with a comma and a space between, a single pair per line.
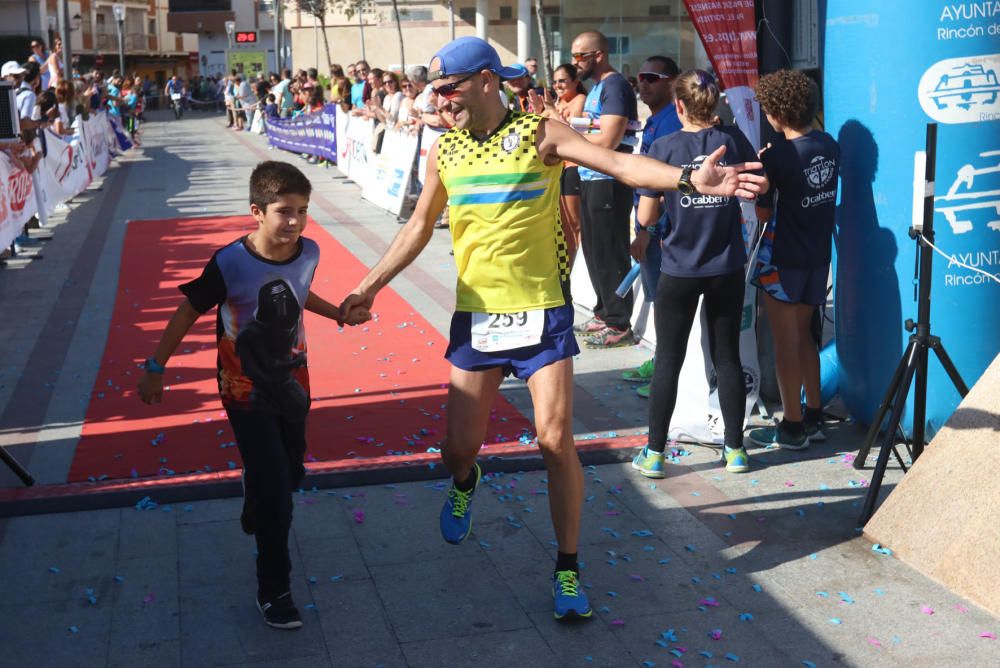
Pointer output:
945, 64
98, 145
340, 132
306, 133
391, 169
427, 139
359, 150
64, 172
17, 200
122, 142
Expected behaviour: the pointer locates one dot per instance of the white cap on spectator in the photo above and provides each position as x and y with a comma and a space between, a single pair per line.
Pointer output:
12, 67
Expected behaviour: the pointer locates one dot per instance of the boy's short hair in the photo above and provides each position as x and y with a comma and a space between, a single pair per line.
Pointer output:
272, 179
789, 96
270, 97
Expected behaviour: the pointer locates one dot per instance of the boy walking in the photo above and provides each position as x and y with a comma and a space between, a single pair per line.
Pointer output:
261, 285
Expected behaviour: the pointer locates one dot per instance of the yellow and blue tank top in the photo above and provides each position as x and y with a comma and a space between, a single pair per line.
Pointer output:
504, 213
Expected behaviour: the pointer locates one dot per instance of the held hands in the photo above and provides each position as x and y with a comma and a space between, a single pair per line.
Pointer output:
151, 388
354, 310
714, 179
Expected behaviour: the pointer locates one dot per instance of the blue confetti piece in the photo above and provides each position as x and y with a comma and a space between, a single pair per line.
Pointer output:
835, 620
612, 594
483, 544
695, 493
690, 548
746, 617
188, 508
312, 579
604, 610
731, 516
716, 576
696, 580
823, 594
731, 570
664, 561
809, 664
119, 578
662, 643
648, 548
669, 635
643, 533
845, 597
648, 664
881, 550
757, 588
309, 606
588, 658
74, 629
879, 592
705, 653
732, 657
676, 652
53, 569
336, 578
813, 556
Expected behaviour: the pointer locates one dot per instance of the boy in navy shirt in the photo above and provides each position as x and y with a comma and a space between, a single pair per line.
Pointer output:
794, 261
260, 283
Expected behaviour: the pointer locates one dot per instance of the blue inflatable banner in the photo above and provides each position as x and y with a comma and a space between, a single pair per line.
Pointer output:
892, 67
307, 133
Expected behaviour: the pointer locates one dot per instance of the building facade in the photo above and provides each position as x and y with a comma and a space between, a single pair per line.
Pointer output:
151, 49
636, 30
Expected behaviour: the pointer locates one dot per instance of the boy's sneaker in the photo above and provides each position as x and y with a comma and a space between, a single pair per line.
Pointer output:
641, 374
609, 337
569, 601
591, 326
780, 436
813, 419
643, 391
456, 514
280, 612
737, 460
649, 463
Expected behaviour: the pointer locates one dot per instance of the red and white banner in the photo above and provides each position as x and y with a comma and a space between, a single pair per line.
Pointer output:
17, 200
728, 30
64, 172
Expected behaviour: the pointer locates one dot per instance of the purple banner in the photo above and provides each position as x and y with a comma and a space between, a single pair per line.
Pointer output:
307, 133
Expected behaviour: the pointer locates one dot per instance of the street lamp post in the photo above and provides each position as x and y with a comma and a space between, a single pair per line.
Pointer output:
230, 29
119, 12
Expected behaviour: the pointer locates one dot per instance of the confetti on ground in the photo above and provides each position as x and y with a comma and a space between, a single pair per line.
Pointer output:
881, 550
732, 657
927, 610
709, 601
835, 620
53, 569
715, 634
757, 588
74, 629
149, 598
809, 664
359, 516
874, 642
988, 635
617, 622
746, 617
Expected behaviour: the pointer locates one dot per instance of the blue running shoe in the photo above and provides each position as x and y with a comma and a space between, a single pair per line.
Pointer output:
649, 463
456, 515
570, 601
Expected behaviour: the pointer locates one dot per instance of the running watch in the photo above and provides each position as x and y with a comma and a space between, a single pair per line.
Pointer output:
152, 366
684, 185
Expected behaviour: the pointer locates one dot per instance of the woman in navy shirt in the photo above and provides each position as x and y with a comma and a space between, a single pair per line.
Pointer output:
703, 256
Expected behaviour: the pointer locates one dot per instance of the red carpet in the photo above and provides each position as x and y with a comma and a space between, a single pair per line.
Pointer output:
378, 390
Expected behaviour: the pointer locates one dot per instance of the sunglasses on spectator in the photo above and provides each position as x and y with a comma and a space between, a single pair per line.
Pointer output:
388, 81
36, 46
450, 89
652, 77
584, 55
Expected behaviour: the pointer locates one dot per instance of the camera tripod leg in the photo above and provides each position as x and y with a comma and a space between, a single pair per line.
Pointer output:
949, 366
886, 444
883, 408
18, 470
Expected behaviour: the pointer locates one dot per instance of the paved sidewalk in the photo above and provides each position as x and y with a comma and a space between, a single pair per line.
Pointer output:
702, 568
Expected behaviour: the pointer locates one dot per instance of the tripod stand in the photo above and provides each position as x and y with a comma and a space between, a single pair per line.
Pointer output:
914, 361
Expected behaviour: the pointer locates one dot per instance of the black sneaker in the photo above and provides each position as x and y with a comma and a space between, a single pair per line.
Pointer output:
280, 612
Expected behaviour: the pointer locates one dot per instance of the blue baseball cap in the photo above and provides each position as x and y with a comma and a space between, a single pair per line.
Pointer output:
469, 54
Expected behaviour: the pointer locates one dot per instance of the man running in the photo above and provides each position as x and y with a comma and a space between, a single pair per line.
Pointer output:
499, 172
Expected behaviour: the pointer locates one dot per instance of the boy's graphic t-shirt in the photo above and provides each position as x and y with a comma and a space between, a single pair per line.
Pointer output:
704, 233
259, 326
804, 174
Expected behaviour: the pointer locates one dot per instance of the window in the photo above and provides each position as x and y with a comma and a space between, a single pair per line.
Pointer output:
467, 14
506, 12
619, 45
415, 14
660, 10
152, 26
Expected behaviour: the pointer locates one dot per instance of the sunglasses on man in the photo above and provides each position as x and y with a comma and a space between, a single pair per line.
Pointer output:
652, 77
449, 89
584, 55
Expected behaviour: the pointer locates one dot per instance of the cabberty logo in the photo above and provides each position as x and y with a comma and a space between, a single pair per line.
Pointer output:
819, 171
700, 201
962, 90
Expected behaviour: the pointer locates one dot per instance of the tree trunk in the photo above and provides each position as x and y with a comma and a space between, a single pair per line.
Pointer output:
544, 41
326, 43
399, 31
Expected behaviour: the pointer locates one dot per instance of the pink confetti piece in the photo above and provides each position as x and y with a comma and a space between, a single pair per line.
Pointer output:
709, 602
150, 597
961, 608
677, 663
359, 516
635, 577
617, 622
988, 635
927, 610
715, 634
874, 642
789, 484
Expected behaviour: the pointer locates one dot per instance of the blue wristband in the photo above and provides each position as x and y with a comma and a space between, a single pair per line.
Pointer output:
152, 366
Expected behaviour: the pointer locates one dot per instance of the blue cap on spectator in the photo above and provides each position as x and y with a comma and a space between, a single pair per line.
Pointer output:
469, 54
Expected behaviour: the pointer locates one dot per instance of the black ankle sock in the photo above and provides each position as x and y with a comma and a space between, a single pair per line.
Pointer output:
469, 483
653, 449
813, 415
567, 562
792, 428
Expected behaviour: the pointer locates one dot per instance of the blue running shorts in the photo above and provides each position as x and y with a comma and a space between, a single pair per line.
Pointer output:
557, 343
